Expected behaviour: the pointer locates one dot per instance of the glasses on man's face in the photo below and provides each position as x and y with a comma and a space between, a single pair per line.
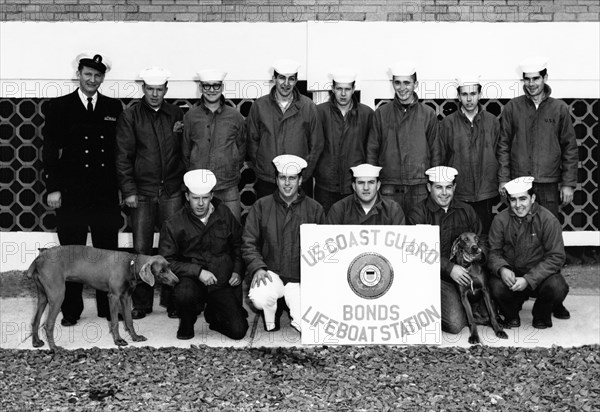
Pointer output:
214, 86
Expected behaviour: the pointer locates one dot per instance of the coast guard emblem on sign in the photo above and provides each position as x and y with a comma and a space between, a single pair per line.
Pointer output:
370, 275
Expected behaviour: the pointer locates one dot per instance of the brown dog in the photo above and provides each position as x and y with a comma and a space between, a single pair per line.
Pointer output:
467, 253
111, 271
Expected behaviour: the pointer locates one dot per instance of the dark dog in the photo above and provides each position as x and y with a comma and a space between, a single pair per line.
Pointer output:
467, 253
111, 271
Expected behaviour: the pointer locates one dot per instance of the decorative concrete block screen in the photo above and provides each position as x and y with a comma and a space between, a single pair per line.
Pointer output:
22, 191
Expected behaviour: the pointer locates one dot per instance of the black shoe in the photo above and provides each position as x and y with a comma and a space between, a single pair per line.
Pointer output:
68, 322
541, 323
182, 335
186, 330
511, 323
172, 314
209, 316
138, 313
560, 312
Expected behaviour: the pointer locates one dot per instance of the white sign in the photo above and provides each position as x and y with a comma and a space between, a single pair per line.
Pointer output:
370, 284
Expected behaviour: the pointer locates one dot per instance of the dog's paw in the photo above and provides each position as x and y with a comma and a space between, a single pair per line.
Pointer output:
121, 342
139, 338
38, 343
501, 334
474, 340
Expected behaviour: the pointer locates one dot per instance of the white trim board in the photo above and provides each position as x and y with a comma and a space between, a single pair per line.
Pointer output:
437, 48
18, 249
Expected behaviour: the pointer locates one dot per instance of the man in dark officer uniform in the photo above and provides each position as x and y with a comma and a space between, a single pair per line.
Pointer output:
79, 171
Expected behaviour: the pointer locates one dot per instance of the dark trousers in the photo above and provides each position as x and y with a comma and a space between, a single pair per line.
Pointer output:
549, 294
263, 188
407, 196
327, 198
483, 209
150, 214
547, 195
223, 312
72, 229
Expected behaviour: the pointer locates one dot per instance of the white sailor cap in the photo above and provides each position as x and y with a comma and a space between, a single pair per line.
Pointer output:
200, 181
403, 68
519, 185
94, 60
365, 170
211, 75
533, 64
441, 174
285, 66
287, 164
155, 76
468, 80
343, 76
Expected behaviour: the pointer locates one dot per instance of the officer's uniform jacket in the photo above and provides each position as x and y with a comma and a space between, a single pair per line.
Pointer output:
79, 151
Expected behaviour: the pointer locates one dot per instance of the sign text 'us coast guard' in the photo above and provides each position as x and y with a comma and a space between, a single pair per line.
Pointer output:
370, 284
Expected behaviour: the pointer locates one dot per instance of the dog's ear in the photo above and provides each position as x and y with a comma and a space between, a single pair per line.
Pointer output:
454, 250
146, 273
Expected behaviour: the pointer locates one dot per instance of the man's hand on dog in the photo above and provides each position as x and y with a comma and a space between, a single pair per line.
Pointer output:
460, 275
208, 278
260, 275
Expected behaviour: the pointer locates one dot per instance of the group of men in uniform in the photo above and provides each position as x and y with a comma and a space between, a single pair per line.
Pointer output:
396, 165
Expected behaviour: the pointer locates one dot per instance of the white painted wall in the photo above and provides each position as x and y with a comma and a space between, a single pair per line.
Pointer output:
36, 61
36, 58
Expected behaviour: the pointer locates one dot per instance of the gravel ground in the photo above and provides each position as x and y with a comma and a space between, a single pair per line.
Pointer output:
375, 378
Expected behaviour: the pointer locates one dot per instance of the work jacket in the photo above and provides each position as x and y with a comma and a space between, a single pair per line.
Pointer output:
345, 144
459, 218
79, 152
272, 132
531, 246
215, 141
148, 150
191, 246
538, 142
271, 238
349, 211
470, 148
403, 142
